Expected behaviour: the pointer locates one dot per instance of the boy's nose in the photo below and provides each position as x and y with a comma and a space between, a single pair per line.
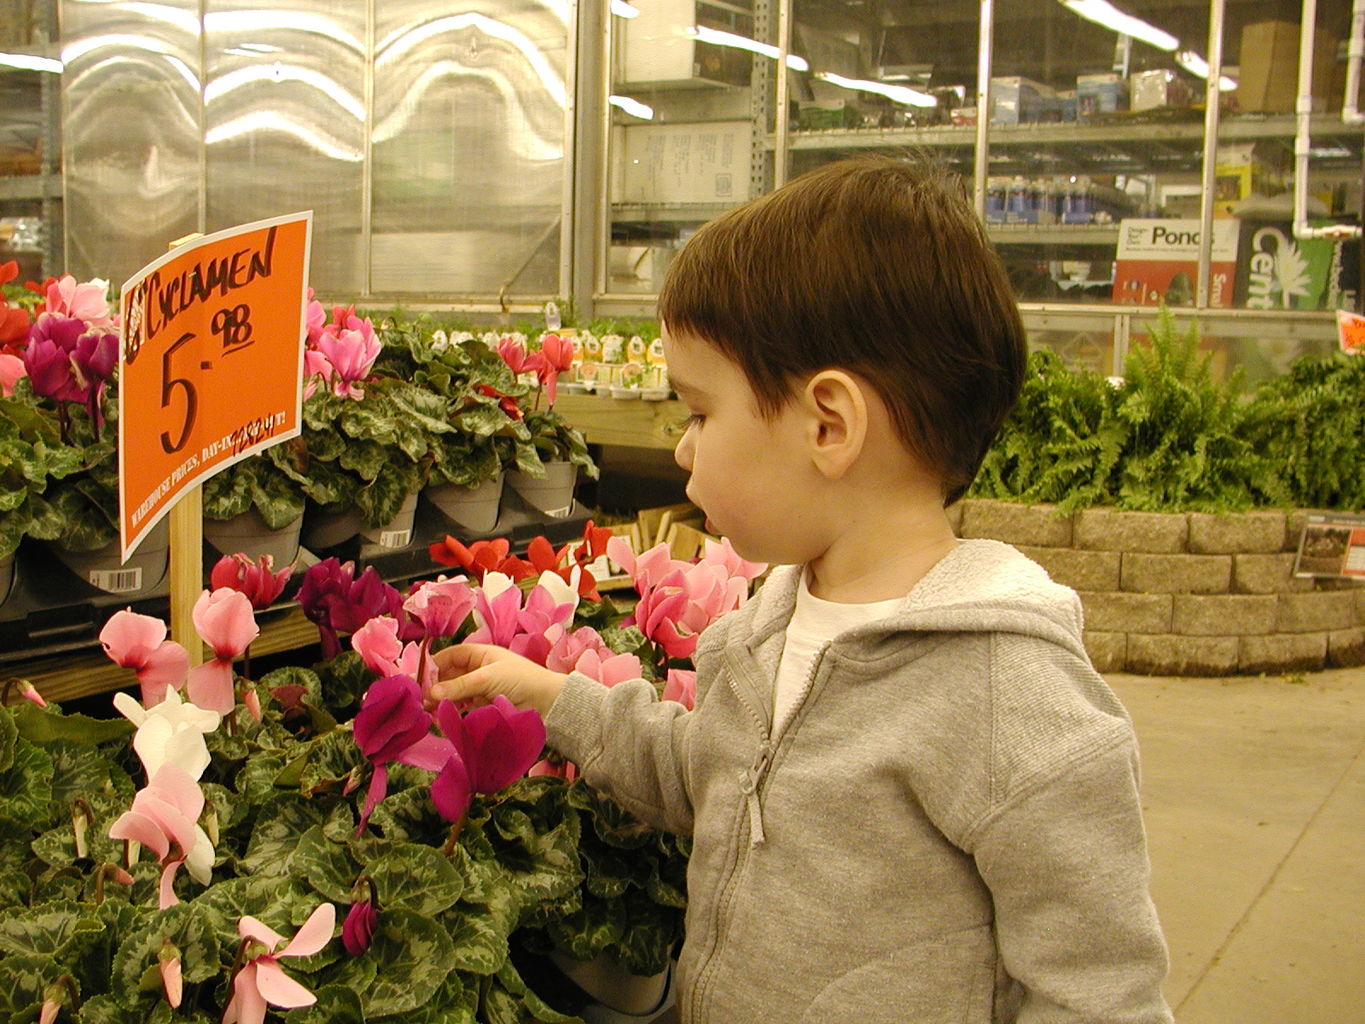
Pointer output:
683, 452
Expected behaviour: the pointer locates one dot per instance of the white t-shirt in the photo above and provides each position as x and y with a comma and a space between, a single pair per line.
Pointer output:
814, 622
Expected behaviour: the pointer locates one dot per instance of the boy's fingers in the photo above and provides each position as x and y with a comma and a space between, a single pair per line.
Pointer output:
471, 685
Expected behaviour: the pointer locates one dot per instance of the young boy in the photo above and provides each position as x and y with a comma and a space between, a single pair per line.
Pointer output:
911, 797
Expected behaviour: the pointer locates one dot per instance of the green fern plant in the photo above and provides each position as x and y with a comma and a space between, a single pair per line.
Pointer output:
1310, 423
1186, 446
1062, 442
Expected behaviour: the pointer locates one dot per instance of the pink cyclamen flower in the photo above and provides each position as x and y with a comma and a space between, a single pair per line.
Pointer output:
357, 931
139, 642
172, 975
11, 369
681, 686
502, 620
86, 301
344, 358
225, 621
441, 605
496, 742
556, 355
163, 819
261, 981
258, 580
585, 651
514, 354
379, 645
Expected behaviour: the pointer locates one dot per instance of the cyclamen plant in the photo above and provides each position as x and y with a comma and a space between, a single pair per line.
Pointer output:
337, 792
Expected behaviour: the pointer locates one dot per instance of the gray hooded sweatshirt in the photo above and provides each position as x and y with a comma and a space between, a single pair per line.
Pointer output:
948, 830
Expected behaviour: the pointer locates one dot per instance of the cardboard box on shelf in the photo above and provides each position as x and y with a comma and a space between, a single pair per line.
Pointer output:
685, 163
1158, 89
1158, 261
1277, 271
1243, 169
1269, 76
1100, 94
653, 51
1018, 100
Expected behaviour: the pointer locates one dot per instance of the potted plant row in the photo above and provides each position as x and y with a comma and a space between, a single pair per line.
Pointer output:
326, 842
388, 413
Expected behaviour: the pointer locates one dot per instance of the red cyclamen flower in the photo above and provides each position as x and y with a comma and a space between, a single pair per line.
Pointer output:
256, 579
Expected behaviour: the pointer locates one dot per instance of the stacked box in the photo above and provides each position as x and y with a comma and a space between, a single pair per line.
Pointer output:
1159, 89
1018, 100
1100, 94
1277, 271
1158, 261
1268, 79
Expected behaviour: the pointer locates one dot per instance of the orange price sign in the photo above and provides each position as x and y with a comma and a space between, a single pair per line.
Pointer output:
1351, 332
211, 362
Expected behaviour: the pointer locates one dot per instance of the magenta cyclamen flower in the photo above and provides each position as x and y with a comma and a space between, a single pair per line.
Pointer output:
392, 725
357, 931
336, 600
47, 357
496, 742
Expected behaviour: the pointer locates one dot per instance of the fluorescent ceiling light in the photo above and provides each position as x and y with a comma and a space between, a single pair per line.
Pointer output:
895, 93
1197, 65
632, 107
28, 62
624, 10
1102, 12
718, 38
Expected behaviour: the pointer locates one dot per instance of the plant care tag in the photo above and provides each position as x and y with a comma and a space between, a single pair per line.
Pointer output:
552, 318
1351, 332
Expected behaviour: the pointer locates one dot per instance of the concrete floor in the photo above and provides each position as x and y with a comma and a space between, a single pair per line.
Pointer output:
1254, 794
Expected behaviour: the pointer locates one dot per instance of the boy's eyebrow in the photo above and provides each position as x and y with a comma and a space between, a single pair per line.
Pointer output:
682, 387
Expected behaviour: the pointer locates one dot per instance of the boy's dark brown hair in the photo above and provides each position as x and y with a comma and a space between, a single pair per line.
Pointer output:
876, 266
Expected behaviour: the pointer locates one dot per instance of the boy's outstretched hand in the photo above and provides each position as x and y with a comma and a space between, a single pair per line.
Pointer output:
479, 672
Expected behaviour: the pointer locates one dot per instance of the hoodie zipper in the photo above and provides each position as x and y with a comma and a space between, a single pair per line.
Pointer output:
751, 787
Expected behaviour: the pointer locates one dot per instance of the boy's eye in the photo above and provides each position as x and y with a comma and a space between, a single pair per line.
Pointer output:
686, 423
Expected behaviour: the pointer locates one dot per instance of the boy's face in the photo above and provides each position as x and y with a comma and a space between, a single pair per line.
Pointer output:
748, 474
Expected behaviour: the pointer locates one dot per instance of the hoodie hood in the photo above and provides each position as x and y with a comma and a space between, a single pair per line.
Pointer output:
979, 586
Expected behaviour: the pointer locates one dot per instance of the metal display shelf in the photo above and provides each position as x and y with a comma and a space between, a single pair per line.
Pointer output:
50, 623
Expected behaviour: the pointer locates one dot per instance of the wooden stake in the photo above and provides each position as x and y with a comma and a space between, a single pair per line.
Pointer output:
187, 554
187, 570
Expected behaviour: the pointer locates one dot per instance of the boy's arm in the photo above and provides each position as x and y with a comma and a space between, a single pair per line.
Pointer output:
1066, 863
627, 743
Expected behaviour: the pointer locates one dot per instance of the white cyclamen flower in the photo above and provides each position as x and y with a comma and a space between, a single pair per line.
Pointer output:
170, 732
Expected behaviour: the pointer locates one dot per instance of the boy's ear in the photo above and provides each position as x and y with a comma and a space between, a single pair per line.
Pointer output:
837, 421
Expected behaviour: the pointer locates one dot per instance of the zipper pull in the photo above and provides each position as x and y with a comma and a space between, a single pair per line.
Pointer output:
749, 784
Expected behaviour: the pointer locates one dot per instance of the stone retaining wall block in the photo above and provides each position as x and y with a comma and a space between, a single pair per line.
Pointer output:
1128, 613
1223, 614
1175, 574
1108, 651
954, 514
1322, 610
1015, 523
1104, 529
1236, 533
1169, 655
1283, 652
1293, 528
1079, 570
1267, 574
1346, 647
